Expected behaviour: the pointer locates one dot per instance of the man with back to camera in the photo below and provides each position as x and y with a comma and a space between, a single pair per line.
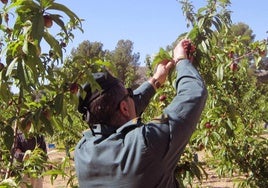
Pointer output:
122, 151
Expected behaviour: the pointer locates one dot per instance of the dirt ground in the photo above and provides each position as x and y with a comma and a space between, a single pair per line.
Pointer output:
212, 182
55, 155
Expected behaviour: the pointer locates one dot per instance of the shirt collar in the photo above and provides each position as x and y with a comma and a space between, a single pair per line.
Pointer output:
101, 129
135, 121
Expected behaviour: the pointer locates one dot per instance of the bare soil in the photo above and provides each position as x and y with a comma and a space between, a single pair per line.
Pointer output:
55, 155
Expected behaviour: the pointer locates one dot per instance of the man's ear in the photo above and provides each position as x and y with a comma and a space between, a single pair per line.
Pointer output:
124, 108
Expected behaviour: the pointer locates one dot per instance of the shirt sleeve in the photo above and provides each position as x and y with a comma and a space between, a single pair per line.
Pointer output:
142, 96
172, 131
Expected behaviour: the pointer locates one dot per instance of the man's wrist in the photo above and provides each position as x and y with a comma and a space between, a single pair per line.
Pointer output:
181, 57
155, 83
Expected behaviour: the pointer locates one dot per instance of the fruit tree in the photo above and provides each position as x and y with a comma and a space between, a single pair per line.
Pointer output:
38, 86
230, 130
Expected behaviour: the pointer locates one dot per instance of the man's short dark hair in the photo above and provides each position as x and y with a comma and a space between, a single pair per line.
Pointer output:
100, 106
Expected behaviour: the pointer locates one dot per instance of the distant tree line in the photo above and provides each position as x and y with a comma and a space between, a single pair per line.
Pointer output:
125, 61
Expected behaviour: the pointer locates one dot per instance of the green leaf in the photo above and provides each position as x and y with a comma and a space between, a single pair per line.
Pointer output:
8, 137
64, 9
204, 46
41, 66
219, 72
201, 22
217, 24
21, 73
59, 103
4, 91
54, 44
38, 27
59, 22
161, 56
46, 3
206, 141
25, 46
202, 9
48, 127
193, 33
258, 60
28, 4
107, 64
64, 109
11, 67
38, 114
229, 123
216, 135
23, 6
33, 62
56, 124
196, 170
54, 172
7, 183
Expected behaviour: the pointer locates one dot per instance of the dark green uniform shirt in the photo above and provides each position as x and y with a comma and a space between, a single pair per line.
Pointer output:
138, 155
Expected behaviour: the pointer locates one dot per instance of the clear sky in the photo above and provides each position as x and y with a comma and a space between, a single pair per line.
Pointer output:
151, 24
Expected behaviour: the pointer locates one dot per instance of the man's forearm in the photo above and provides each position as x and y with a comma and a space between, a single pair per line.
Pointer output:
142, 97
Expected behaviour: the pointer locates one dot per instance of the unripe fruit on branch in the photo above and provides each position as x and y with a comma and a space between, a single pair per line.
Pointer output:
231, 55
1, 66
48, 21
190, 49
51, 53
46, 113
234, 66
263, 53
63, 44
208, 125
201, 147
74, 88
4, 1
213, 58
162, 97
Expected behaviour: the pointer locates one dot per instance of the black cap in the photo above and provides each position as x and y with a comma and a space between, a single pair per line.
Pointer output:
105, 80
